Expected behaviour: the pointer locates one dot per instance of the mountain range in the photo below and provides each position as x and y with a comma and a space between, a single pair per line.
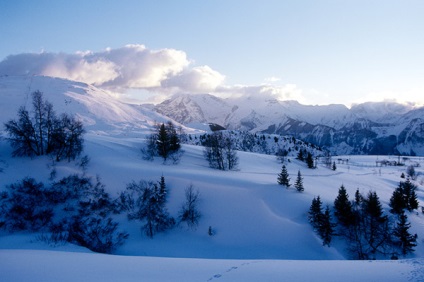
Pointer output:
367, 128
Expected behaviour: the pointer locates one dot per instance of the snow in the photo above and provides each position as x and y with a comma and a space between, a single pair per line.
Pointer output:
65, 266
261, 228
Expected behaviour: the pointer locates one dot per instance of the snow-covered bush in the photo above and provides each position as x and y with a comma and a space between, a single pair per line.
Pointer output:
73, 209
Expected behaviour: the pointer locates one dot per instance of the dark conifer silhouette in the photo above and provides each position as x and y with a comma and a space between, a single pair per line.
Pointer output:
283, 177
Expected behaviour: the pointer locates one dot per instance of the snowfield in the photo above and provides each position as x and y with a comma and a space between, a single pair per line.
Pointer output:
261, 228
29, 265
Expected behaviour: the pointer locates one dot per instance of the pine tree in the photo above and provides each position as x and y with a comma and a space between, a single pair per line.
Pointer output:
310, 160
334, 167
326, 229
283, 177
410, 196
300, 156
299, 182
174, 140
404, 197
163, 143
315, 213
402, 238
397, 201
376, 233
343, 207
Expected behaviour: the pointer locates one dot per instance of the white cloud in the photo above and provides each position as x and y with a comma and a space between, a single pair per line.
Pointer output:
160, 72
411, 97
265, 91
201, 79
132, 66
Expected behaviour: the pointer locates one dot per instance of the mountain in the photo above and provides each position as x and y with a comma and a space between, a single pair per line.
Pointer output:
368, 128
99, 110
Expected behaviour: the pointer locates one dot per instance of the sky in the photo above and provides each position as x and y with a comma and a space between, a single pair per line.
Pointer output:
316, 51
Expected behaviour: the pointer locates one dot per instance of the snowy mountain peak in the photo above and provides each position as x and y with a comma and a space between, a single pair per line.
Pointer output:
99, 110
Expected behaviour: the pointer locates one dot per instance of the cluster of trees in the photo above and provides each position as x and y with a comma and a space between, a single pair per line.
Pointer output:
78, 210
306, 157
220, 151
42, 132
284, 179
363, 224
271, 144
74, 209
164, 142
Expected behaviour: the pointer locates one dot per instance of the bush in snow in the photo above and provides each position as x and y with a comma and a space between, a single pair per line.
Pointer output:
26, 206
72, 209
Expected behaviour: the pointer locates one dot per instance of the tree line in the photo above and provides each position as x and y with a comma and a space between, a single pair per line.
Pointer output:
364, 226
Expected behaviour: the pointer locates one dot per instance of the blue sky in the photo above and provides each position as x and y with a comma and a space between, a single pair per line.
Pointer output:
321, 51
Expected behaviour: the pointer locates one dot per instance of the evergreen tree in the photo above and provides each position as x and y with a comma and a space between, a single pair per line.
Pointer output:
343, 208
326, 229
404, 197
358, 200
376, 231
283, 177
300, 156
299, 182
315, 213
410, 196
397, 201
310, 160
174, 139
163, 142
402, 238
334, 167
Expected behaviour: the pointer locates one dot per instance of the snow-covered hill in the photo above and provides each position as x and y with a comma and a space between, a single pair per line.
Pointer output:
253, 217
99, 110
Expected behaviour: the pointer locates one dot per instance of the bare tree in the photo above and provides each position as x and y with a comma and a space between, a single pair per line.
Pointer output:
189, 211
220, 151
44, 133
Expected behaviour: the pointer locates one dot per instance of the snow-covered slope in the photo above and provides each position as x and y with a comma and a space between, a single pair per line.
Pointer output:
253, 217
99, 110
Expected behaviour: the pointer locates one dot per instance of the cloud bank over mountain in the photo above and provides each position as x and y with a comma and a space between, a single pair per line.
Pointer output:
163, 72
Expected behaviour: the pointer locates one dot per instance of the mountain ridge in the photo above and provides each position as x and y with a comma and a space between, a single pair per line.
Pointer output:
367, 128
